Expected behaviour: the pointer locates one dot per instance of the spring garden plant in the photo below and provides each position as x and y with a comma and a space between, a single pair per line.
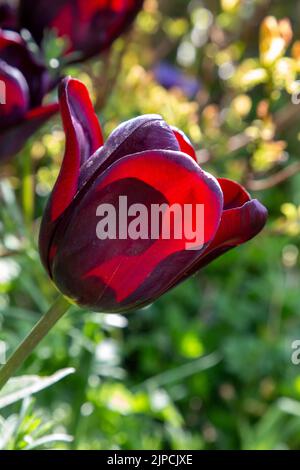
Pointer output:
142, 160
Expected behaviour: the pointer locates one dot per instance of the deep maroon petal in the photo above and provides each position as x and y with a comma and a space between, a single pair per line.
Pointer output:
89, 26
184, 143
14, 95
8, 16
83, 137
15, 52
235, 195
116, 275
242, 219
147, 132
237, 226
13, 139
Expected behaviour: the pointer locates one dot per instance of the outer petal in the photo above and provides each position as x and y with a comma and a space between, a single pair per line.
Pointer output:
13, 138
118, 275
14, 99
148, 132
83, 137
15, 52
237, 227
242, 219
235, 195
184, 143
90, 26
8, 16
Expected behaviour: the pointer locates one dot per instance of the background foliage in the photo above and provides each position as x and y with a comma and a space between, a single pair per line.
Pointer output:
208, 366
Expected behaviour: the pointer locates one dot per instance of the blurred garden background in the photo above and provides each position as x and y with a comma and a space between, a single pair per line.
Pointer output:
209, 365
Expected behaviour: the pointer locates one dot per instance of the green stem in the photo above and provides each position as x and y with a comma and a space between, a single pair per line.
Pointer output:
27, 190
39, 331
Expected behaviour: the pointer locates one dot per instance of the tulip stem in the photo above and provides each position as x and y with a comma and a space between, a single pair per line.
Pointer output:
27, 190
39, 331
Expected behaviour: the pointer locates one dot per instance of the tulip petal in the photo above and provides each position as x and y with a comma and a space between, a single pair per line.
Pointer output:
242, 219
8, 16
14, 95
118, 275
184, 143
83, 138
147, 132
237, 226
89, 26
235, 195
13, 139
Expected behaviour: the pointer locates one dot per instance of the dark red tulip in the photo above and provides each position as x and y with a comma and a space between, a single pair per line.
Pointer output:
24, 81
89, 26
149, 163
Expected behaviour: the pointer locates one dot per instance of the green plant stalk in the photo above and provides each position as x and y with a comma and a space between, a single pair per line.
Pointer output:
39, 331
27, 190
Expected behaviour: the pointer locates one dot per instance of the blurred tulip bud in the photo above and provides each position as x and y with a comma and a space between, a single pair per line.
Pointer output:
24, 81
89, 27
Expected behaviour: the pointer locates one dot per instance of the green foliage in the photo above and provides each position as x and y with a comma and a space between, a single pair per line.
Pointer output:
28, 429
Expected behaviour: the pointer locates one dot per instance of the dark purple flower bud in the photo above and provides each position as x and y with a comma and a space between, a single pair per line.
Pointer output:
88, 26
24, 81
144, 163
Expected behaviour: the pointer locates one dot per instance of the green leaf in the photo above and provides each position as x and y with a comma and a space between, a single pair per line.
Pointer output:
51, 438
21, 387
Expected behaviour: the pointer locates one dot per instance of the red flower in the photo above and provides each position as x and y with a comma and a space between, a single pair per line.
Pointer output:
90, 26
150, 163
24, 81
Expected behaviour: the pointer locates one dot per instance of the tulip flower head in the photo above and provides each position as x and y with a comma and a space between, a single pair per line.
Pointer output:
98, 239
24, 81
89, 27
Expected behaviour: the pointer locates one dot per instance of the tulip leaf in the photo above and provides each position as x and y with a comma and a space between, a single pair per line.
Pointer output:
50, 439
21, 387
